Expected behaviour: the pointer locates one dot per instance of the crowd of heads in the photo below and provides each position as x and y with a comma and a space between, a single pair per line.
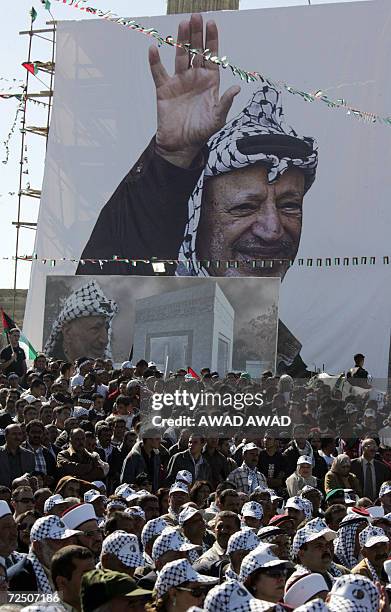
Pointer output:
98, 512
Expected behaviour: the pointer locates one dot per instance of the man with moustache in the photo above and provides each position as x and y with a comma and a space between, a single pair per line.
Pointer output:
312, 549
243, 181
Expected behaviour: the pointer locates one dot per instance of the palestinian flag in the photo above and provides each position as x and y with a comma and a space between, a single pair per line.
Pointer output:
31, 67
24, 343
33, 14
193, 374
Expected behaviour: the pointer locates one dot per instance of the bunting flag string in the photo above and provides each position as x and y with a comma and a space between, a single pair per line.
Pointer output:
300, 262
317, 95
14, 81
19, 97
7, 141
10, 193
33, 14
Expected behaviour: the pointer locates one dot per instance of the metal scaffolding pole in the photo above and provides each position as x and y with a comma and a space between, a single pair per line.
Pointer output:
48, 68
21, 167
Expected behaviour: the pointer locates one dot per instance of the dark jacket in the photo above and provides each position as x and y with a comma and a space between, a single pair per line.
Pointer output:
131, 224
184, 461
291, 455
27, 464
219, 466
135, 464
382, 473
115, 462
50, 461
24, 579
80, 465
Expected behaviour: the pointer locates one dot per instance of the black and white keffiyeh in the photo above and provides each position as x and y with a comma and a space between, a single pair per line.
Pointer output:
87, 301
334, 570
374, 574
262, 116
345, 542
230, 574
43, 584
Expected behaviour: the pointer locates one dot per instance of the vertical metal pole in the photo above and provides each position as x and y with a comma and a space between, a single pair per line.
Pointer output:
21, 170
51, 82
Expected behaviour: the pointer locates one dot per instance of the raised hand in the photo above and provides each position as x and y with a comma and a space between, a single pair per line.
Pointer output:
189, 107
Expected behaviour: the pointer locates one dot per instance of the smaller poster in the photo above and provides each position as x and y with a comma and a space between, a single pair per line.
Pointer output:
224, 324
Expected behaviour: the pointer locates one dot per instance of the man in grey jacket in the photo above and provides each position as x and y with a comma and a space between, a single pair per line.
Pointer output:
144, 457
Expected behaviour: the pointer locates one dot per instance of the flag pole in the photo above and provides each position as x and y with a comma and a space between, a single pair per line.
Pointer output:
166, 368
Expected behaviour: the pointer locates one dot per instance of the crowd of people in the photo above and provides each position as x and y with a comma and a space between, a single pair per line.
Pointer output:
99, 513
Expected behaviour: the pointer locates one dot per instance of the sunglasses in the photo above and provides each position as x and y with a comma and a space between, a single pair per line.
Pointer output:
25, 500
195, 592
276, 573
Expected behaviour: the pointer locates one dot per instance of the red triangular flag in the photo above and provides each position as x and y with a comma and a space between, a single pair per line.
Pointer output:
193, 374
30, 67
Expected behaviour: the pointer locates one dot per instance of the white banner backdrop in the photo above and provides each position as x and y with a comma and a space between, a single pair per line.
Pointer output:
104, 116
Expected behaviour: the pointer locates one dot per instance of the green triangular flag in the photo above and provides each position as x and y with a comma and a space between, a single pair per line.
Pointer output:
33, 14
46, 4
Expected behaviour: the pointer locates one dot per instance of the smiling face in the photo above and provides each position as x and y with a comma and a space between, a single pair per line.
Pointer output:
243, 217
85, 335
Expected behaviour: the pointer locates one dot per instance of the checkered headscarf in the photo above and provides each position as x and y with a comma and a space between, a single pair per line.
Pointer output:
87, 301
43, 584
262, 116
344, 543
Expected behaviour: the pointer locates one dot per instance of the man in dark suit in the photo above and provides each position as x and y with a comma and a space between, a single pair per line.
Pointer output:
44, 460
14, 460
110, 454
370, 472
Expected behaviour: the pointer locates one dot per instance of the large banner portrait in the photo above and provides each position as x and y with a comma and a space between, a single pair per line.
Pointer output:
154, 153
224, 324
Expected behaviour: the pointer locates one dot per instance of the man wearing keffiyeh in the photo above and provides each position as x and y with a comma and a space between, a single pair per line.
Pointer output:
84, 323
347, 545
206, 191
